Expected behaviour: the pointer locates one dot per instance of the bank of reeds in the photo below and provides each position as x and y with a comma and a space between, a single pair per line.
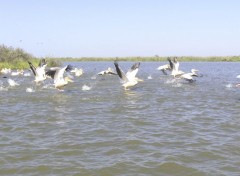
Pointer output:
16, 58
154, 59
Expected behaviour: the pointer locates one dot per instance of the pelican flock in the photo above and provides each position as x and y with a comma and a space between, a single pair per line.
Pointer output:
128, 79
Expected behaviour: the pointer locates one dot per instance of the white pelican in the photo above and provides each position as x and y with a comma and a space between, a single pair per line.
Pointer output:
108, 71
78, 72
39, 72
174, 64
166, 67
56, 74
187, 76
129, 79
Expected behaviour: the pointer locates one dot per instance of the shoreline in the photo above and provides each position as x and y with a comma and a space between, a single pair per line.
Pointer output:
22, 64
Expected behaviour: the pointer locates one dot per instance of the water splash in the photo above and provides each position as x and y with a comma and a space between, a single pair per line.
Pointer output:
229, 86
177, 85
170, 81
12, 83
85, 87
48, 86
27, 74
30, 90
3, 88
149, 77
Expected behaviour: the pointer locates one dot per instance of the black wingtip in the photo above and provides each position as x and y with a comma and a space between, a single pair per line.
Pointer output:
69, 68
135, 66
118, 69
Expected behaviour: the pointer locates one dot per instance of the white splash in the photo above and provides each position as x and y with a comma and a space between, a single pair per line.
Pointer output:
149, 77
12, 83
177, 85
229, 86
170, 81
3, 88
27, 74
238, 76
30, 90
85, 87
48, 86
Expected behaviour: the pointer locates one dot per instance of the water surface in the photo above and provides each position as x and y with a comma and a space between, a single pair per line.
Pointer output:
161, 126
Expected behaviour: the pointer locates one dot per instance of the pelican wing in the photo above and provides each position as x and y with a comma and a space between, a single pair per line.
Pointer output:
170, 63
133, 71
42, 63
132, 74
110, 71
135, 66
51, 73
120, 73
32, 68
68, 68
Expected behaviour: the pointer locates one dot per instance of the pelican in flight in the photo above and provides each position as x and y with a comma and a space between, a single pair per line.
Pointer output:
189, 76
174, 64
166, 67
129, 79
56, 74
109, 71
39, 72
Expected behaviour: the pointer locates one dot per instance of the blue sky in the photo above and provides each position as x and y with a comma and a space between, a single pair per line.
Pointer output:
118, 28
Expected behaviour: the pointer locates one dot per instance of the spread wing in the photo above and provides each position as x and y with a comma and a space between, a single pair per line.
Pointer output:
170, 63
32, 68
131, 74
120, 73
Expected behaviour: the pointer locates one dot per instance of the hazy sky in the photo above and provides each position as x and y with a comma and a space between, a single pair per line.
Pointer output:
111, 28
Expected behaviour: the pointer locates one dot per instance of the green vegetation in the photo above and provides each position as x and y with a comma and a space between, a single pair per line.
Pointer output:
154, 59
16, 58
